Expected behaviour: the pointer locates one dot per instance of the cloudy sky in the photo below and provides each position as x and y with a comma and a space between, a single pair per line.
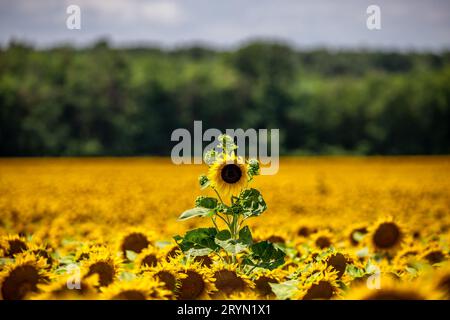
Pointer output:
406, 24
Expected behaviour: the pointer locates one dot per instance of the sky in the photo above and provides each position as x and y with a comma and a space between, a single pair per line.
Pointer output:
405, 24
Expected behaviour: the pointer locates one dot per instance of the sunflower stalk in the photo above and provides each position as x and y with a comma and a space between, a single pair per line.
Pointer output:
229, 177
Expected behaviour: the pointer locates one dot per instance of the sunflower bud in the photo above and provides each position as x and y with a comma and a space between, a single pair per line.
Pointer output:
253, 168
203, 181
210, 157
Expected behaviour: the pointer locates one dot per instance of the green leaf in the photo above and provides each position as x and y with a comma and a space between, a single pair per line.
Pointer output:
252, 203
284, 290
131, 255
201, 238
265, 255
358, 236
127, 276
195, 212
203, 182
223, 239
198, 252
245, 235
206, 202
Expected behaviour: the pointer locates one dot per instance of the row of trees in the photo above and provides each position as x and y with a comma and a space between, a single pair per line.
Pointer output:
106, 101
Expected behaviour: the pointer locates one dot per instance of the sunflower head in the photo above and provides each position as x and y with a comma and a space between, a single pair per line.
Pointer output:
442, 281
149, 257
13, 244
391, 289
229, 280
136, 289
105, 264
166, 273
263, 278
59, 288
323, 239
197, 282
321, 285
434, 254
228, 175
135, 240
387, 235
22, 277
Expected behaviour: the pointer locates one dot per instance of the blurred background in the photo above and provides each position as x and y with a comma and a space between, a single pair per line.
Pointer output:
137, 70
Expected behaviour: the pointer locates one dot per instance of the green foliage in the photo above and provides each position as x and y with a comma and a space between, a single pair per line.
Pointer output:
206, 202
234, 246
252, 203
104, 101
195, 212
264, 255
198, 242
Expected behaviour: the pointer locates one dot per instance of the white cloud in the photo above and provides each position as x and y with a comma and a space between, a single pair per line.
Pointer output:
161, 12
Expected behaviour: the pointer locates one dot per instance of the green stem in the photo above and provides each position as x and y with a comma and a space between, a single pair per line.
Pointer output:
218, 195
214, 222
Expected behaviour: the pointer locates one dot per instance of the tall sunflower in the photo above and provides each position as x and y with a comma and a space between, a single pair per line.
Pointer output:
228, 175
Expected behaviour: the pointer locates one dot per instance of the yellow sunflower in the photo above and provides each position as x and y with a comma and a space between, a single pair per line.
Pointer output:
441, 281
42, 251
197, 283
166, 273
356, 233
391, 289
323, 239
229, 280
434, 254
12, 245
263, 278
85, 251
134, 239
136, 289
387, 235
228, 175
149, 257
60, 289
320, 285
172, 253
107, 265
22, 277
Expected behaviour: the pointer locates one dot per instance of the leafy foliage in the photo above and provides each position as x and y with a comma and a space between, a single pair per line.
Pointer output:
104, 101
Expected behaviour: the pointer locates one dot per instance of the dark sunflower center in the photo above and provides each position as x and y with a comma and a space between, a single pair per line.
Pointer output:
168, 279
386, 235
323, 242
321, 290
20, 282
191, 287
231, 173
263, 285
105, 272
435, 257
338, 262
149, 261
135, 242
394, 295
228, 282
130, 295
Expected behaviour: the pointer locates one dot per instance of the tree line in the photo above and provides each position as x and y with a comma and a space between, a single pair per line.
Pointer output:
100, 100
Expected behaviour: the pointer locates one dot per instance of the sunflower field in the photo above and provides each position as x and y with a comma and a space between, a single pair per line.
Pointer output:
321, 228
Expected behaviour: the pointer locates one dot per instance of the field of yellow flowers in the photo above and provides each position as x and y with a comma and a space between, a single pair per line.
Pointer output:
351, 228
